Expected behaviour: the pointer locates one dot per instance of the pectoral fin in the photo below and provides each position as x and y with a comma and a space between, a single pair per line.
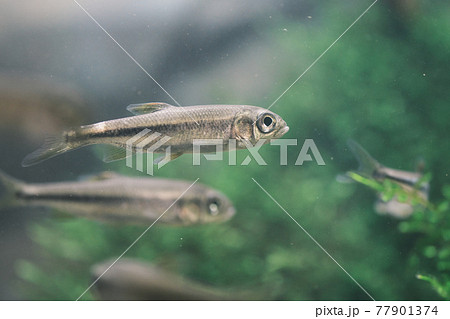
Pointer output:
144, 108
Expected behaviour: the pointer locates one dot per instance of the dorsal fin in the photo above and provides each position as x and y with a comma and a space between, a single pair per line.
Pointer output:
144, 108
420, 165
368, 166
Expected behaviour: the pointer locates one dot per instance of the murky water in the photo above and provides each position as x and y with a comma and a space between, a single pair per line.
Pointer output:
384, 83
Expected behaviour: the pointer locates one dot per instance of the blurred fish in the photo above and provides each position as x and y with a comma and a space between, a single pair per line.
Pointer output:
112, 197
244, 123
32, 105
410, 182
131, 279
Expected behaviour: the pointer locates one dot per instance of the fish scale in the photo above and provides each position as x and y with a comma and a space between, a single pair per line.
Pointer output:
245, 123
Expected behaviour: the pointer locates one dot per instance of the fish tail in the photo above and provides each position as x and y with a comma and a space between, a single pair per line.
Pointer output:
53, 146
9, 186
368, 166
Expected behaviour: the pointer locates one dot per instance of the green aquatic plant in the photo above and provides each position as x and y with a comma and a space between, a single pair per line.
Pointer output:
389, 189
431, 255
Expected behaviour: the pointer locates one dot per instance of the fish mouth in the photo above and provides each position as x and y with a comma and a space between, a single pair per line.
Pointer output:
283, 131
229, 213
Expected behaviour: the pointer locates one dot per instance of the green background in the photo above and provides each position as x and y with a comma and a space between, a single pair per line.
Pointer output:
385, 84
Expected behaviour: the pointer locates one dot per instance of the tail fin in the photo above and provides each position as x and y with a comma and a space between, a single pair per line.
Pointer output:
367, 164
10, 186
52, 146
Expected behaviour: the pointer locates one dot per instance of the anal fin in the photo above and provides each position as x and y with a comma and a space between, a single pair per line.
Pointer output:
167, 158
113, 153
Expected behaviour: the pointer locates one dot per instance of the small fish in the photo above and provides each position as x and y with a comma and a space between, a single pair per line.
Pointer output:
131, 279
410, 182
243, 123
112, 197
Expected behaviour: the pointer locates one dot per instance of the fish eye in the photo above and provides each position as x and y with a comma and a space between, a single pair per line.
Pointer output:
213, 207
266, 123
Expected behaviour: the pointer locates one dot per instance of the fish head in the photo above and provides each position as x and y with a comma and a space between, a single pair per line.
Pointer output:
205, 205
216, 207
256, 123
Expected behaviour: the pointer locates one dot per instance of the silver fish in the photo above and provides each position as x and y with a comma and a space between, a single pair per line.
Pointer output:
408, 181
131, 279
112, 197
243, 123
